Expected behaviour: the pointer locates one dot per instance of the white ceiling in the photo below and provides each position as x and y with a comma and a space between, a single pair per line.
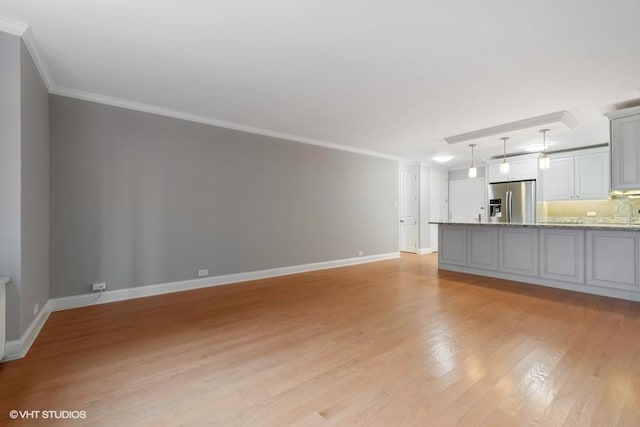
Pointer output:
386, 76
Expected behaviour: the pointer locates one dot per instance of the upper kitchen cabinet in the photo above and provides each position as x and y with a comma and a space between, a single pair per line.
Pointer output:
580, 175
520, 168
625, 149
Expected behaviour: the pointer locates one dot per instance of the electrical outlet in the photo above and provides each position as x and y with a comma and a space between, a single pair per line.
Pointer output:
360, 253
95, 287
203, 273
36, 308
591, 213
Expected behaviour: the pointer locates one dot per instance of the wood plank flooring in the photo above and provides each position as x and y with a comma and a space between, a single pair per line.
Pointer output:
393, 343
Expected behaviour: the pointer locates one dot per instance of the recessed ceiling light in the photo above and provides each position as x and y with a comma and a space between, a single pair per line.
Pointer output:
442, 159
535, 147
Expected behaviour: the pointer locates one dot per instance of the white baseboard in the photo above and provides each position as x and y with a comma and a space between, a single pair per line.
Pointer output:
17, 349
424, 251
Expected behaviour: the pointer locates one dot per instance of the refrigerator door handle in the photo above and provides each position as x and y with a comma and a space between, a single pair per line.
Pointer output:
509, 194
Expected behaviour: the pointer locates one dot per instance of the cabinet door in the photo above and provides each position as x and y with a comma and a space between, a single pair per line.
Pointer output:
518, 248
524, 169
494, 174
625, 153
592, 176
483, 247
562, 254
557, 181
452, 244
612, 259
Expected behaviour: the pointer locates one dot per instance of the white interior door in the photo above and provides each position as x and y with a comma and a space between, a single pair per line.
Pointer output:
409, 209
467, 198
438, 203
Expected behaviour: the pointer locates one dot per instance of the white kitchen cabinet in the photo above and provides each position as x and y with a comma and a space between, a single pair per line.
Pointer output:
483, 247
625, 149
518, 250
562, 254
583, 175
558, 180
519, 169
452, 244
612, 259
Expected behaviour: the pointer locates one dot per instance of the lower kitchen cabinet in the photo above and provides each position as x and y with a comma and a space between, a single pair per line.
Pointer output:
590, 259
562, 254
518, 252
483, 247
452, 244
612, 259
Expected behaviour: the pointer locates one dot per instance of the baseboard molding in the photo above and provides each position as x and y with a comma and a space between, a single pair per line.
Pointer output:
425, 251
17, 349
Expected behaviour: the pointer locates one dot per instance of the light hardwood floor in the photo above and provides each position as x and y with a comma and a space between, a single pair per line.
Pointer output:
383, 344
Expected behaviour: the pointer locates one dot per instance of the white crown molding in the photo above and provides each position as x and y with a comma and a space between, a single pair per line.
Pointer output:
11, 26
17, 349
563, 117
632, 111
146, 108
41, 65
23, 30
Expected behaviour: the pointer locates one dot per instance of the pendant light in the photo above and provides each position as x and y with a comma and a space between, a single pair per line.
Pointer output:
504, 166
544, 162
473, 171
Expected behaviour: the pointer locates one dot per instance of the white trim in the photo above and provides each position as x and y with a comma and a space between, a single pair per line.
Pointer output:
17, 349
41, 65
23, 30
12, 26
146, 108
623, 113
563, 117
425, 251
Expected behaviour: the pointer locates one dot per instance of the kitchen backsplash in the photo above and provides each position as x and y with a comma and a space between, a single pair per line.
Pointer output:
606, 211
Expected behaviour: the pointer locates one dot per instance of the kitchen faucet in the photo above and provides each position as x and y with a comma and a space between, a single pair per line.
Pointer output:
630, 206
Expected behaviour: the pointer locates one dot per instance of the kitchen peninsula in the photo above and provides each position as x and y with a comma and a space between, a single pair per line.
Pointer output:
596, 258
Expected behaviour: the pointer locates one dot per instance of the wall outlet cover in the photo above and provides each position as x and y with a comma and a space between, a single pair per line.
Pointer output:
36, 308
592, 213
360, 253
203, 273
102, 286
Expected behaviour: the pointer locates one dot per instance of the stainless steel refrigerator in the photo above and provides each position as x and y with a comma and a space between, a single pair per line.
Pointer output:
513, 202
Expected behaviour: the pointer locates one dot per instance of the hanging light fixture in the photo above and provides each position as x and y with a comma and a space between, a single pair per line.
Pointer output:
504, 166
544, 162
473, 171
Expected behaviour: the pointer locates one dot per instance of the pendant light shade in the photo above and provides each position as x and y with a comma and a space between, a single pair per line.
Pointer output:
473, 171
544, 162
504, 166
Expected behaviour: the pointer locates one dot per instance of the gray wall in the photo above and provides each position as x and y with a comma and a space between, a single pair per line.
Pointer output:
24, 184
34, 188
10, 176
138, 199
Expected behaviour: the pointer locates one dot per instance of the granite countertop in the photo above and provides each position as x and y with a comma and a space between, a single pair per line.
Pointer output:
590, 226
